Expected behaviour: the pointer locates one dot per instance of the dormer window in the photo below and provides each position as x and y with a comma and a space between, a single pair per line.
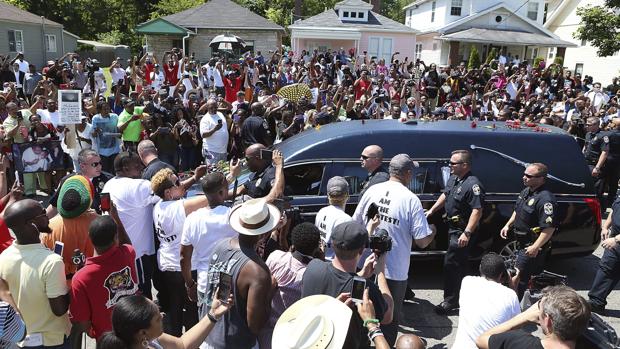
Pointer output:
351, 14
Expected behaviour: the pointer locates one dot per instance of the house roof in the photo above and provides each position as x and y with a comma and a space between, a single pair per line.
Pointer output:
329, 19
496, 36
415, 3
160, 26
11, 13
70, 34
353, 3
99, 44
221, 14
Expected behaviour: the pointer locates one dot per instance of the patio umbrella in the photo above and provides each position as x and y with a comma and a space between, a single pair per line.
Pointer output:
294, 92
227, 42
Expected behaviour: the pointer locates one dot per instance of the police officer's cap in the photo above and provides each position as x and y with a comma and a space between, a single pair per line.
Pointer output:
349, 236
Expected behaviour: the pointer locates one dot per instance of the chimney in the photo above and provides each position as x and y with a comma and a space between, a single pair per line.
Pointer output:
376, 5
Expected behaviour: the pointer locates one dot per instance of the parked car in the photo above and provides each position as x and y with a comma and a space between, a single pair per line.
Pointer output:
499, 153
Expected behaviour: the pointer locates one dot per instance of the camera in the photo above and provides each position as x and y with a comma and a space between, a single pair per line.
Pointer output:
380, 241
78, 259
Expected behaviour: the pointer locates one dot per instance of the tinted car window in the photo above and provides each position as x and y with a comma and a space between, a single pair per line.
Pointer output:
303, 179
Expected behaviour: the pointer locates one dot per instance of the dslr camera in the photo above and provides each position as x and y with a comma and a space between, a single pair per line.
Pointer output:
380, 241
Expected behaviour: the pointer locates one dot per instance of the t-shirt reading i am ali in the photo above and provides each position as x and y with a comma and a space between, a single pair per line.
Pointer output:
401, 214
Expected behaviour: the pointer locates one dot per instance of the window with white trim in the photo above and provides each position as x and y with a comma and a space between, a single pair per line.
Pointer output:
50, 43
552, 51
456, 7
380, 47
433, 7
418, 51
532, 11
16, 41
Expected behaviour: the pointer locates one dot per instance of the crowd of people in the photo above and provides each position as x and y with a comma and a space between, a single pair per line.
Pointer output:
232, 264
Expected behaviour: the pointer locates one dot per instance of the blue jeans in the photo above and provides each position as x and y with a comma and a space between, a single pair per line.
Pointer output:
607, 276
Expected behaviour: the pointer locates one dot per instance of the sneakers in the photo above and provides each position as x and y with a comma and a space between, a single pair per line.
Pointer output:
444, 308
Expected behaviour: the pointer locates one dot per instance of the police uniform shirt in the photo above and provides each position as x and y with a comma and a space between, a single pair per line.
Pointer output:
379, 175
255, 129
596, 143
401, 214
615, 217
260, 183
535, 209
462, 196
614, 146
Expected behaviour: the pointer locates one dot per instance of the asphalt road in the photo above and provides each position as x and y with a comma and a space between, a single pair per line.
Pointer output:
439, 331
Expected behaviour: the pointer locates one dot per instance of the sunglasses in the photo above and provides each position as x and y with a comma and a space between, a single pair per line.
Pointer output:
531, 176
43, 213
364, 157
455, 163
95, 164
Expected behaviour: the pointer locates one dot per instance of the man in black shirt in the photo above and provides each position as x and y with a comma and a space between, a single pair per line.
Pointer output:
561, 313
372, 161
534, 222
595, 151
255, 129
335, 278
263, 177
148, 155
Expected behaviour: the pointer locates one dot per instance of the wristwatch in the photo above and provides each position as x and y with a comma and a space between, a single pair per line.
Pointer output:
467, 233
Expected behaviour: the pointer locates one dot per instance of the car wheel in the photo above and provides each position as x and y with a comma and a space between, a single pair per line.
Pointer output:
509, 251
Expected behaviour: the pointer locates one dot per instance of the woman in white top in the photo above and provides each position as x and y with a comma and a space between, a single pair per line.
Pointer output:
169, 217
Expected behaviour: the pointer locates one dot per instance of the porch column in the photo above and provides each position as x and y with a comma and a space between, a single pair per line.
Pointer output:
453, 57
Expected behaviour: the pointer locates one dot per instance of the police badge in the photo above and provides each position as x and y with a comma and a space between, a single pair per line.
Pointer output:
476, 189
548, 209
531, 202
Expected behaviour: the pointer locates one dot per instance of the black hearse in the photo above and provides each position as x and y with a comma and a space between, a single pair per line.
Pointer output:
499, 152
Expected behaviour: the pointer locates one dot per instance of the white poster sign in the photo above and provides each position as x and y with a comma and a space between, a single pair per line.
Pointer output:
69, 106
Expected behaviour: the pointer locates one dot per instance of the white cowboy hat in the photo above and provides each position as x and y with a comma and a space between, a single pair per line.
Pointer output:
313, 322
254, 217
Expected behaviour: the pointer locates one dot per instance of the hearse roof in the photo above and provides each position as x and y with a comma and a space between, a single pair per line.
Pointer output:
436, 140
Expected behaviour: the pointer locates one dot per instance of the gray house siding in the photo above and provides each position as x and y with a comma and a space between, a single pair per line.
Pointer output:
34, 46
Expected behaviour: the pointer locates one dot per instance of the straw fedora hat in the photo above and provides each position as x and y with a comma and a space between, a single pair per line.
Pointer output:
254, 217
313, 322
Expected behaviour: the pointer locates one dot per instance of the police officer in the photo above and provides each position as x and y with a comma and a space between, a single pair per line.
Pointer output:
595, 151
263, 175
463, 199
608, 274
612, 169
534, 222
372, 161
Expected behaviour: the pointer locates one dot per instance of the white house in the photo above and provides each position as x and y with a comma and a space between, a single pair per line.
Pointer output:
562, 20
447, 29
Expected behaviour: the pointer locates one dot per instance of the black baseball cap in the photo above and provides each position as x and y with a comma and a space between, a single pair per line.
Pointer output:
349, 236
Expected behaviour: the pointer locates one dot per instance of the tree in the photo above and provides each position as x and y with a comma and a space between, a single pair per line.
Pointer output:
474, 58
599, 26
491, 56
168, 7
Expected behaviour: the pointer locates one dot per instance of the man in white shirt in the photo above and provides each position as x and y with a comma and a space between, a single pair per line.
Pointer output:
484, 302
214, 132
402, 216
157, 78
597, 97
330, 216
118, 73
202, 230
133, 200
23, 64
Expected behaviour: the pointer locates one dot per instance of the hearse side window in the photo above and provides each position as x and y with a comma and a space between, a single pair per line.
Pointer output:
303, 179
426, 179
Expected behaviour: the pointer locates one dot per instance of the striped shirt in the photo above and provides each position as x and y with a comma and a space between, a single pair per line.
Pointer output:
12, 327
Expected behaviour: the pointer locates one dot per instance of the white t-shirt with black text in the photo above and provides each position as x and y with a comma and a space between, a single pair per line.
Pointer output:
203, 229
401, 214
326, 219
169, 217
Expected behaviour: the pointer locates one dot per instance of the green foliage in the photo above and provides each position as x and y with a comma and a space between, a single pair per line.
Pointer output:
168, 7
491, 56
474, 58
559, 61
393, 9
537, 61
599, 26
113, 37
